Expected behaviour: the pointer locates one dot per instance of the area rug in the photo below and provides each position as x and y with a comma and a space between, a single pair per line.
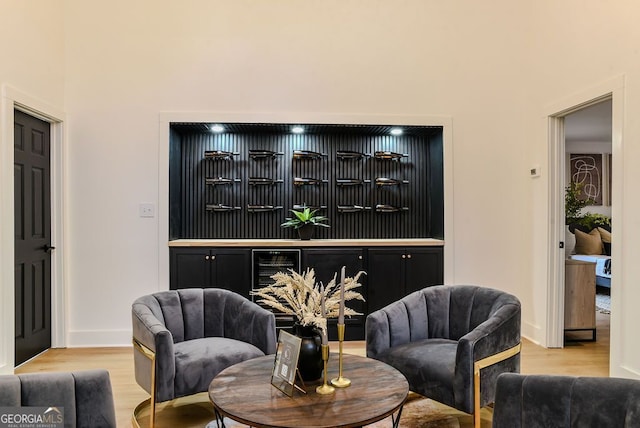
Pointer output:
603, 303
418, 412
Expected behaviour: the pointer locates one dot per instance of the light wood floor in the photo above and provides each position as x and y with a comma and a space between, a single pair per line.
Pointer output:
577, 358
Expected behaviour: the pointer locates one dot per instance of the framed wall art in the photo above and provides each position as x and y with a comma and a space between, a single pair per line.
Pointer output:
587, 169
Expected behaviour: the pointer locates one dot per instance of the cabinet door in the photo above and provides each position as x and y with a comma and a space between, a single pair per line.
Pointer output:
190, 268
385, 276
231, 270
424, 268
327, 262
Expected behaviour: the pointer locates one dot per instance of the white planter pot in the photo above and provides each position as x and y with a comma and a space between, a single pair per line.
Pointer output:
569, 242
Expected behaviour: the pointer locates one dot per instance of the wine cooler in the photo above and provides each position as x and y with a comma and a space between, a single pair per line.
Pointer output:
266, 263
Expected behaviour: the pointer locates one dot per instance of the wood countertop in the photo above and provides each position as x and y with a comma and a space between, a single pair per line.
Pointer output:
297, 243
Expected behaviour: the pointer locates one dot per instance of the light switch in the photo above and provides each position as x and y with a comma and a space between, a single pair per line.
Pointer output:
147, 210
534, 171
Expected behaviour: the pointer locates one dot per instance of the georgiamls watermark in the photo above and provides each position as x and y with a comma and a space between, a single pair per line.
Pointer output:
31, 417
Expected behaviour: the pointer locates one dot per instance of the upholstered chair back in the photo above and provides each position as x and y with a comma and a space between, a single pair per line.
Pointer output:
85, 396
210, 312
538, 401
442, 312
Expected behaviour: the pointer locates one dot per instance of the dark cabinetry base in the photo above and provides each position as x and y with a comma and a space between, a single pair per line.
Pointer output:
206, 267
391, 273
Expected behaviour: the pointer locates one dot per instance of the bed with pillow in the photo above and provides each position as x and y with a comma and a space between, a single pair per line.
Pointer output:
595, 247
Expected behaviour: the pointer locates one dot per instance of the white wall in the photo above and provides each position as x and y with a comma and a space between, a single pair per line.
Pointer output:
31, 69
493, 67
588, 147
576, 46
339, 57
32, 47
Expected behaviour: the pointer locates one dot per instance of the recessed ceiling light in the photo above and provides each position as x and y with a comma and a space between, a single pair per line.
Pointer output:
217, 128
396, 131
297, 129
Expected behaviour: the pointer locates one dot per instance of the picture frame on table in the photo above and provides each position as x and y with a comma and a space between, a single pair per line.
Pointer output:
285, 367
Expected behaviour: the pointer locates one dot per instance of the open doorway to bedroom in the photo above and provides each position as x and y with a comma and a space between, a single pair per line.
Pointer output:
588, 184
612, 89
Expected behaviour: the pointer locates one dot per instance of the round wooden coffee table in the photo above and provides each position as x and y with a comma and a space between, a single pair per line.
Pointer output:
244, 393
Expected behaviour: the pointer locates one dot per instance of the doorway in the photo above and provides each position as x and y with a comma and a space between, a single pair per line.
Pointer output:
613, 90
32, 218
12, 100
588, 149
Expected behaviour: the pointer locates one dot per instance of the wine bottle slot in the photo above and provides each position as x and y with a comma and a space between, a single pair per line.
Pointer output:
261, 154
262, 208
221, 208
220, 154
379, 154
221, 181
307, 154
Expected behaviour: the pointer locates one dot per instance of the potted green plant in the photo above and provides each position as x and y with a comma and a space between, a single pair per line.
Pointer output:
590, 220
305, 222
573, 203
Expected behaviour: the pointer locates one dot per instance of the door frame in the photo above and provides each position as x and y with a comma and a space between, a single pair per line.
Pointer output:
612, 89
13, 98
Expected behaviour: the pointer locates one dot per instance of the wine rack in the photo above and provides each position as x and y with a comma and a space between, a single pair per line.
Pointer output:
244, 184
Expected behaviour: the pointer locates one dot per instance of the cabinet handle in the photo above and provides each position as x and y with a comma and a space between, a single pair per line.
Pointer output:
408, 256
213, 257
206, 257
360, 257
403, 256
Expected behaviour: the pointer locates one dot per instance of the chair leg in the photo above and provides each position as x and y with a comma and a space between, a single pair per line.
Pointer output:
149, 403
152, 399
476, 399
480, 364
152, 415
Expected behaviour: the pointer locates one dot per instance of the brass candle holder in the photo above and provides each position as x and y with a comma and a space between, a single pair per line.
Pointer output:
325, 388
340, 381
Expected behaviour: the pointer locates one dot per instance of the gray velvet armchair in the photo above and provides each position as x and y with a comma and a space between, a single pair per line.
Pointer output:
450, 342
541, 401
85, 396
183, 338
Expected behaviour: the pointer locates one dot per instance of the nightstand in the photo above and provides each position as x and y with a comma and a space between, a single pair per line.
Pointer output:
580, 296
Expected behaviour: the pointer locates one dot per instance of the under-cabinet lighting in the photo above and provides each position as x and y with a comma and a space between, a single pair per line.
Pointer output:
297, 129
396, 131
217, 128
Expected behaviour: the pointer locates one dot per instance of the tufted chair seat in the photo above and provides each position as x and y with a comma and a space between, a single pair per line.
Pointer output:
184, 338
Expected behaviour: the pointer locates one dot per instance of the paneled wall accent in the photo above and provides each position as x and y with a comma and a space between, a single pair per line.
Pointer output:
419, 198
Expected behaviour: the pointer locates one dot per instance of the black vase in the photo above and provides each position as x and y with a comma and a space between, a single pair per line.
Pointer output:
310, 362
306, 232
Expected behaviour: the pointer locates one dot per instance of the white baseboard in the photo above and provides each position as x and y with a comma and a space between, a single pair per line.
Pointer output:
626, 372
99, 338
533, 333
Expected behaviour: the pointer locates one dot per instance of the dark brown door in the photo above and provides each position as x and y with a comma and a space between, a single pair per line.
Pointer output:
32, 236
